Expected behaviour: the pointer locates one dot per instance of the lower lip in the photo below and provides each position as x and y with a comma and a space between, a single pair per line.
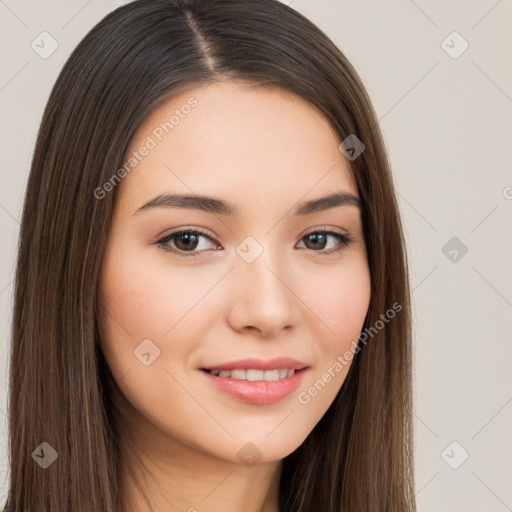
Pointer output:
257, 392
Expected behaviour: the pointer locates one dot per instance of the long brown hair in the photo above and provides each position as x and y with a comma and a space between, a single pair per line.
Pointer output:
359, 456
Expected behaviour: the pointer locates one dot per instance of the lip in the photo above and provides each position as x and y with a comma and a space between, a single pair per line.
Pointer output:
260, 364
256, 392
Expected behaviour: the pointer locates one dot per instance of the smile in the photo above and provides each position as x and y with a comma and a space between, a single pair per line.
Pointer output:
256, 385
254, 375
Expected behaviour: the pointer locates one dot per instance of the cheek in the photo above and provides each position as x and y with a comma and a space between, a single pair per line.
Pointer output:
146, 298
340, 300
143, 299
132, 307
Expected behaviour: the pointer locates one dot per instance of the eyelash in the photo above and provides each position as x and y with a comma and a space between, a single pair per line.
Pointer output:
344, 241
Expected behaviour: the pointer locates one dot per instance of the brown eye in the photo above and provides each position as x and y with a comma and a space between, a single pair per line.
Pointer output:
317, 240
184, 241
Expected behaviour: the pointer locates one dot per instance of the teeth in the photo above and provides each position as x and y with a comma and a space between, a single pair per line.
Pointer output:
252, 375
255, 375
271, 375
238, 374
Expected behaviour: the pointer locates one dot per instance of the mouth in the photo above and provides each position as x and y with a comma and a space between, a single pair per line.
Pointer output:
255, 381
255, 375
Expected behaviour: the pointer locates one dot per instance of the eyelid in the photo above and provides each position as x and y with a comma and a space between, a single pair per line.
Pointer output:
329, 229
197, 231
325, 228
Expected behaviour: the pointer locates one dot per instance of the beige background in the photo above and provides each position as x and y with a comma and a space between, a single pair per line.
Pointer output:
448, 127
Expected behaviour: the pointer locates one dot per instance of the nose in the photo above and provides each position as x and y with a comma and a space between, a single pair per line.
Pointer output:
262, 298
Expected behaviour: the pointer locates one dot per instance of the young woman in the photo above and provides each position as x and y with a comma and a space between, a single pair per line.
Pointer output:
211, 298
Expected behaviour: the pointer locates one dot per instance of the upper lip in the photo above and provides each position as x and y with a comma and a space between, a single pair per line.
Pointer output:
260, 364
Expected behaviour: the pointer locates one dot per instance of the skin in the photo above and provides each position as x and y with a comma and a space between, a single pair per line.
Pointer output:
264, 150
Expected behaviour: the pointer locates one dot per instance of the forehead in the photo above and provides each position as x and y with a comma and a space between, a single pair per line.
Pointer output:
232, 140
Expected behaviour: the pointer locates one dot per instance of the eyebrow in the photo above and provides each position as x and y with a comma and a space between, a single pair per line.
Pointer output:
218, 206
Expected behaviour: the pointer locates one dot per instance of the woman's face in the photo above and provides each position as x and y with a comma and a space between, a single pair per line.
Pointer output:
257, 283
